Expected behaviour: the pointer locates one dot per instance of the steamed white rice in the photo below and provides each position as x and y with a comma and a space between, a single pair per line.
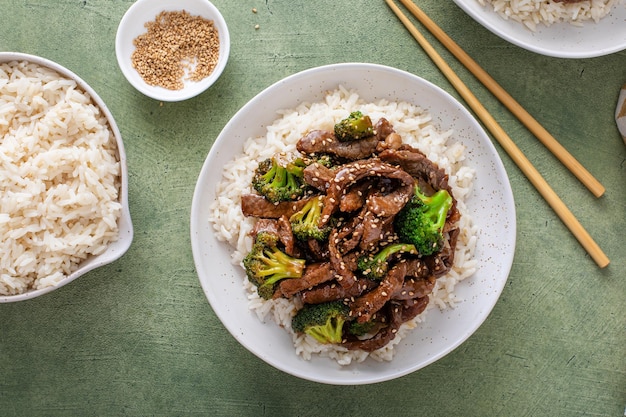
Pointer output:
532, 13
414, 125
59, 178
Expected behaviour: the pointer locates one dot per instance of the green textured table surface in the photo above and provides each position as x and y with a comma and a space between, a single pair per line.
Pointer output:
138, 337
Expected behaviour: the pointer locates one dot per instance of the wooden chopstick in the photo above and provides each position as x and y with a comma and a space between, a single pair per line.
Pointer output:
508, 145
509, 102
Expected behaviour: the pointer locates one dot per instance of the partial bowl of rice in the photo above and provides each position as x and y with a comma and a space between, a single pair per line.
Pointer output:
172, 50
584, 29
63, 179
423, 114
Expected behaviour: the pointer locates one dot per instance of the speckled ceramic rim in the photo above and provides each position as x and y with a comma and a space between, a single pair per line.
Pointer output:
491, 204
132, 25
117, 248
560, 40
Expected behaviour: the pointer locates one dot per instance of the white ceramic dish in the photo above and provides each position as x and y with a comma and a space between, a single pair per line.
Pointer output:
491, 204
132, 25
117, 248
561, 40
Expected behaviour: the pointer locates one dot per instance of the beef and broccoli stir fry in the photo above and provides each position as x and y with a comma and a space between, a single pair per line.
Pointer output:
358, 225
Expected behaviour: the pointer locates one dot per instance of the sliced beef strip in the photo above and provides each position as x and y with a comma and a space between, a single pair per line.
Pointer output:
285, 233
409, 309
325, 142
365, 306
375, 230
346, 276
352, 173
389, 204
264, 225
332, 291
346, 236
256, 205
318, 176
374, 193
313, 275
417, 268
418, 165
415, 288
355, 197
317, 250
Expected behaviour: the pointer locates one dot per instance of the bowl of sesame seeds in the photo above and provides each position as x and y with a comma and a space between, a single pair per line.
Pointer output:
172, 50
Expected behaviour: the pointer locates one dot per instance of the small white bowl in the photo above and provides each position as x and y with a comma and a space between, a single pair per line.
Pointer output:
115, 249
132, 25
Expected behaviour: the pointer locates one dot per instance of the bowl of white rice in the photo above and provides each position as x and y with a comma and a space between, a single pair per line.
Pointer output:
63, 179
584, 29
422, 113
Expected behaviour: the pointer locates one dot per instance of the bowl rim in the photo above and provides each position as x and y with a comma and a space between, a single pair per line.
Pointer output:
117, 248
132, 25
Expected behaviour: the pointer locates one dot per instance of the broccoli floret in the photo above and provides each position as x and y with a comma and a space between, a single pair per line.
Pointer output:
277, 182
266, 264
324, 159
376, 266
421, 221
305, 223
322, 321
361, 329
354, 127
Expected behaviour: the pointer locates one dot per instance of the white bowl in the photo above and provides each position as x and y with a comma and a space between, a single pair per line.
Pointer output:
116, 249
132, 25
491, 206
560, 40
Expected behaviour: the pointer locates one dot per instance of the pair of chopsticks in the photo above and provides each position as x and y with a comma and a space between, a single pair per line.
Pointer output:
500, 135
